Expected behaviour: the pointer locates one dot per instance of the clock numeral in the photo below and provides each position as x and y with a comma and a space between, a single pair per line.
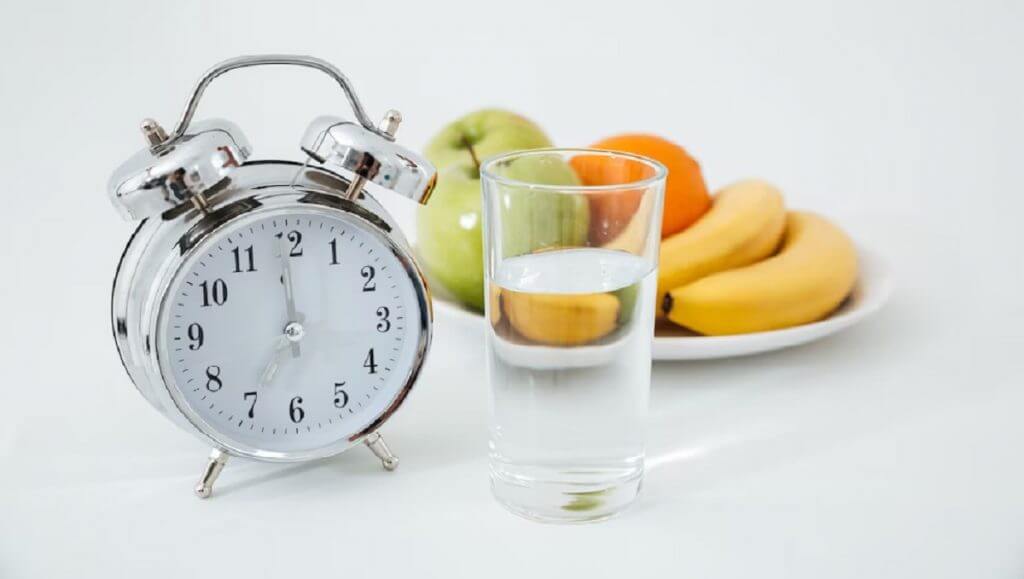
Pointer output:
213, 381
196, 335
248, 258
296, 238
295, 411
368, 272
252, 403
215, 293
384, 324
334, 251
340, 396
369, 363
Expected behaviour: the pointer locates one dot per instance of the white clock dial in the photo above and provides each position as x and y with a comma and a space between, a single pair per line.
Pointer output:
290, 332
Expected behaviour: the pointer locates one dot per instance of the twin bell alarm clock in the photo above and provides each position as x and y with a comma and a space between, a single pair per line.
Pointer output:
270, 307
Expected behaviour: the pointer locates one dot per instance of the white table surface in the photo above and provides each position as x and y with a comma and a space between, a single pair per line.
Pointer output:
892, 450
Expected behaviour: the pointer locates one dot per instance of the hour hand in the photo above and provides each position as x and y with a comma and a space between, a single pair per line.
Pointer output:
270, 370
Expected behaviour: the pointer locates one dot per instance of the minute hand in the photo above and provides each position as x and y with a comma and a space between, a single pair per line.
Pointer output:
289, 290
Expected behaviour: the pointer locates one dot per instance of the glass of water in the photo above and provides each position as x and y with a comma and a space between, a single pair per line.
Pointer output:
571, 256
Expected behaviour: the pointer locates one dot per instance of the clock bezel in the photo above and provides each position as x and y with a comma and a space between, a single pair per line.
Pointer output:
286, 203
153, 255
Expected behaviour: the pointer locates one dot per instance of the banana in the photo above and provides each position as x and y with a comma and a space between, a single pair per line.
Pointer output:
494, 307
561, 319
809, 277
744, 225
638, 232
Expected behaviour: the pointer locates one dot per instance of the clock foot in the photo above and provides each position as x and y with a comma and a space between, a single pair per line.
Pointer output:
204, 488
379, 448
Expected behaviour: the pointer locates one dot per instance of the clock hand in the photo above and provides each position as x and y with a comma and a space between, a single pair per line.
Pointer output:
270, 370
289, 292
293, 332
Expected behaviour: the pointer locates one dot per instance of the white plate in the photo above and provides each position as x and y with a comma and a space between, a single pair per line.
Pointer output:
874, 285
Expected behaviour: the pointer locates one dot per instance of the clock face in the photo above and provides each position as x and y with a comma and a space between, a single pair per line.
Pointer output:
285, 334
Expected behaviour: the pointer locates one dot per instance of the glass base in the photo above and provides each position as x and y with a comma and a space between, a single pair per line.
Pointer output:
575, 497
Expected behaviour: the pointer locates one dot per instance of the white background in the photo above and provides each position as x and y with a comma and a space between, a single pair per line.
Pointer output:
893, 450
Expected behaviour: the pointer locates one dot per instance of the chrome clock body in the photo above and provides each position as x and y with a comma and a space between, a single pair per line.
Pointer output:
201, 198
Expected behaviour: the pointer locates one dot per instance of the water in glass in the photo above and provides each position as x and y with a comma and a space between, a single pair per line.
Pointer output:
569, 346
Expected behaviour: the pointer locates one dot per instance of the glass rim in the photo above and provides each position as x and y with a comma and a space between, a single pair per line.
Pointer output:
660, 171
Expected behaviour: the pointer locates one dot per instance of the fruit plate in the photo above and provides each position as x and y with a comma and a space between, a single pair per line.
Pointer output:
874, 285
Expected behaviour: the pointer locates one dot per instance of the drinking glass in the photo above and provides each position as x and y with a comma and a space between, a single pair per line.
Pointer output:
571, 254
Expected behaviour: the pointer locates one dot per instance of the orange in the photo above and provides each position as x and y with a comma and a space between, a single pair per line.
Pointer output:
610, 211
686, 195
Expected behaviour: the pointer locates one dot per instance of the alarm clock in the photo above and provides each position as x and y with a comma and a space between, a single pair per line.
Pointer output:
272, 308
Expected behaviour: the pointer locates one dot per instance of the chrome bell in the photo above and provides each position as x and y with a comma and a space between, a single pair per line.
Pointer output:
172, 172
364, 156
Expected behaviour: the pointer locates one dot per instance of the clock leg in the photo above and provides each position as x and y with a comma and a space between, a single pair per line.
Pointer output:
379, 448
204, 488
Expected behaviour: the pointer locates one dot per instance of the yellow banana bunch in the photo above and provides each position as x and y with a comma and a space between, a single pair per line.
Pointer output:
809, 277
743, 226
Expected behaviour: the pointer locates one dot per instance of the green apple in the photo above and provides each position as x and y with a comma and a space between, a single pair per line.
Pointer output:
449, 234
627, 302
536, 219
482, 134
